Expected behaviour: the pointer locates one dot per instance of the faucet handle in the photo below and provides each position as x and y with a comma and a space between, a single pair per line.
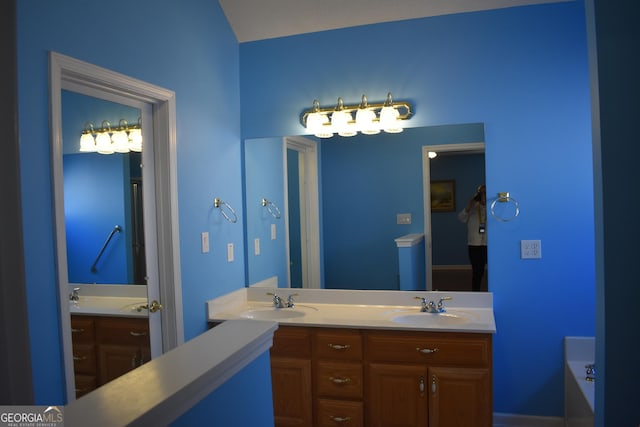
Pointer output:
290, 303
441, 301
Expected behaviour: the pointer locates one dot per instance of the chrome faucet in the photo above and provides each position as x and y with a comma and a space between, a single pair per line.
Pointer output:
278, 302
431, 306
75, 294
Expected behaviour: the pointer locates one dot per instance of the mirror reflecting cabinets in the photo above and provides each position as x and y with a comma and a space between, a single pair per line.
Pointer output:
365, 184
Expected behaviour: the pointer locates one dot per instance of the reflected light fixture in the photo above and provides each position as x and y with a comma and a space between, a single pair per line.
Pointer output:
369, 119
105, 140
432, 154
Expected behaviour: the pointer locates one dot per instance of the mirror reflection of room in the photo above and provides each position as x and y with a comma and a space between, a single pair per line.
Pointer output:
102, 195
366, 181
452, 265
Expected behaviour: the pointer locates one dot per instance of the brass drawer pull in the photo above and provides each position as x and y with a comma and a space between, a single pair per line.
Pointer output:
79, 358
77, 331
339, 346
137, 334
427, 350
339, 419
340, 380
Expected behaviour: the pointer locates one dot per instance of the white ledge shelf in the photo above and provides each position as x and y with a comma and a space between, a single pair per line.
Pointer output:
409, 240
160, 391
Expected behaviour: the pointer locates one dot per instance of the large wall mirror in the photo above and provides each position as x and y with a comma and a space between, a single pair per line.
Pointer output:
367, 186
103, 205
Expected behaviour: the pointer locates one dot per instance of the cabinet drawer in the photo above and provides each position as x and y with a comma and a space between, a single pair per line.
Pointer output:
123, 331
339, 379
332, 413
84, 358
292, 342
434, 348
85, 384
82, 329
338, 344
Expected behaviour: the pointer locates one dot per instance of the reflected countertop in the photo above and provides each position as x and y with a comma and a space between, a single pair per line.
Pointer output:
109, 300
398, 310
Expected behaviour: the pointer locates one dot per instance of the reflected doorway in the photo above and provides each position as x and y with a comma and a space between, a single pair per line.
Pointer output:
447, 262
302, 212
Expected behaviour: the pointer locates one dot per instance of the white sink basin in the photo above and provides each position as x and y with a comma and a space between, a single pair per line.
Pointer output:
435, 319
272, 313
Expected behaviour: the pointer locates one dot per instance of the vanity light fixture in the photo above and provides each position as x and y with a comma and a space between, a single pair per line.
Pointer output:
369, 119
107, 140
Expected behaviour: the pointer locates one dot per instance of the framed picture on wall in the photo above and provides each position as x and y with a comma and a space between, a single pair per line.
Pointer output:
443, 196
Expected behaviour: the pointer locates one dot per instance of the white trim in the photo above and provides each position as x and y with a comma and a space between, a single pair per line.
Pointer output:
515, 420
72, 74
310, 211
426, 195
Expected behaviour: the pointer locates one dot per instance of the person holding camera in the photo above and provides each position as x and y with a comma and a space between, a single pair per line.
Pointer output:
475, 216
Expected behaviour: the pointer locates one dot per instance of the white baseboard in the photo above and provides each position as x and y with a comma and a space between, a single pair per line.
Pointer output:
514, 420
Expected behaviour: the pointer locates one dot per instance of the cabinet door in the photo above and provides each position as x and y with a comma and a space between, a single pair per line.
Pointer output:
117, 360
291, 384
459, 397
396, 395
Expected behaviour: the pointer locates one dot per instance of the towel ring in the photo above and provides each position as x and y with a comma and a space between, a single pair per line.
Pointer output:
219, 204
271, 208
504, 197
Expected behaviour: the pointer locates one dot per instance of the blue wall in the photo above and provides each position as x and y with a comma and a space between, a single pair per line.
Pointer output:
522, 72
264, 178
185, 47
366, 182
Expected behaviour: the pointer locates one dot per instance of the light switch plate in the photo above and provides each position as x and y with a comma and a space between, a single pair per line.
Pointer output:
273, 232
256, 246
229, 252
530, 249
403, 218
204, 242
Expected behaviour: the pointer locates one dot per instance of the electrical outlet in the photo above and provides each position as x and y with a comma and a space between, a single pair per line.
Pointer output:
530, 249
404, 218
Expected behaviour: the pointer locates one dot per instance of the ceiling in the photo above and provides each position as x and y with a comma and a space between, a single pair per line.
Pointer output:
253, 20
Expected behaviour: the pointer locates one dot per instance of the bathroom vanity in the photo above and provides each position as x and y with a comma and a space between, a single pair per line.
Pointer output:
110, 337
372, 358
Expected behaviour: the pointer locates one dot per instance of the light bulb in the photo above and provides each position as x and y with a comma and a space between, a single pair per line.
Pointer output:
365, 121
135, 140
103, 143
120, 141
87, 143
389, 120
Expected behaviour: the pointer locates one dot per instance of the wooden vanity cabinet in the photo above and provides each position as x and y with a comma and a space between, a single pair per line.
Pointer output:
425, 378
350, 377
106, 347
338, 377
291, 377
83, 337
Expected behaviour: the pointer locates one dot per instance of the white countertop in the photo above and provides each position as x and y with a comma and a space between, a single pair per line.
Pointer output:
109, 300
399, 310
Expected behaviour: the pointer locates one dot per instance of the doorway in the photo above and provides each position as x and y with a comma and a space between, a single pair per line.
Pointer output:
302, 212
445, 149
159, 198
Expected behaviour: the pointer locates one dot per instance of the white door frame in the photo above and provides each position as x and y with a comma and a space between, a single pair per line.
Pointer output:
309, 209
426, 188
164, 282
